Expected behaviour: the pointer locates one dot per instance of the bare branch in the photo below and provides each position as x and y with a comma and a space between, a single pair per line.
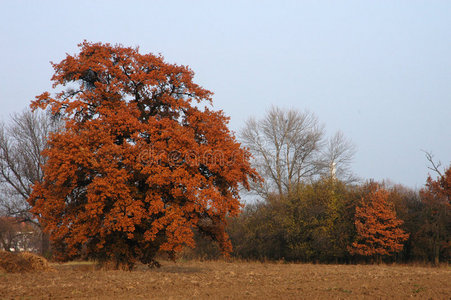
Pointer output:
337, 157
434, 166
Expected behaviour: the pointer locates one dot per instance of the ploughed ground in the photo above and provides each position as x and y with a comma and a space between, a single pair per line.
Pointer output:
230, 280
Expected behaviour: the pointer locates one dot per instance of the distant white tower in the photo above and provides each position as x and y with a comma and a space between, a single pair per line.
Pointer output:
333, 170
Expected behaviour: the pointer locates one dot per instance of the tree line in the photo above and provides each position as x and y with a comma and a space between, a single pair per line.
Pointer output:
311, 208
73, 168
331, 221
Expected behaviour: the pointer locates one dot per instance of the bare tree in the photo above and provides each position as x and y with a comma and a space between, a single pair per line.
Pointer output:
21, 142
285, 145
337, 156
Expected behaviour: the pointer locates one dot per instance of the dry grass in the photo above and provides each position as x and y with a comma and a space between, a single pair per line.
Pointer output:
22, 262
232, 280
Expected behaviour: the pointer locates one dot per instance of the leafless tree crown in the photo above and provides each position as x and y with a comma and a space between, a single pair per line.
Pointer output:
21, 142
284, 145
337, 157
288, 147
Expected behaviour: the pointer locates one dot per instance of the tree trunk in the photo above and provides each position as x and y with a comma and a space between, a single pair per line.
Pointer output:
45, 245
436, 254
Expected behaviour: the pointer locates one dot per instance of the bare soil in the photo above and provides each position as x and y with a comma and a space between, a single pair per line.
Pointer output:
230, 280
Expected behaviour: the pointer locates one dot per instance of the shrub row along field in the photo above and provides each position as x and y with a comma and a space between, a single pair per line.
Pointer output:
230, 280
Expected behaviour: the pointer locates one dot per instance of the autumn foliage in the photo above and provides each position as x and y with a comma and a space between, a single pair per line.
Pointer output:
438, 191
139, 164
377, 227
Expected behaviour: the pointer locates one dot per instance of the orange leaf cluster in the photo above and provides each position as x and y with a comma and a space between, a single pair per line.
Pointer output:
438, 192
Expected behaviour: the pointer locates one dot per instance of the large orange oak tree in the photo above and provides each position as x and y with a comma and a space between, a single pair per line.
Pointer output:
141, 161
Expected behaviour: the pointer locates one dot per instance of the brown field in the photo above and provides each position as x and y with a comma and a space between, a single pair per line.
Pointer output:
231, 280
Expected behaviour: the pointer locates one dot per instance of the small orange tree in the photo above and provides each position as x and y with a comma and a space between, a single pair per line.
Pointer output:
378, 229
139, 165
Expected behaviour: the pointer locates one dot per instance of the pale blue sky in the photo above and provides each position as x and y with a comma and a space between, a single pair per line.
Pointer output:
380, 71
